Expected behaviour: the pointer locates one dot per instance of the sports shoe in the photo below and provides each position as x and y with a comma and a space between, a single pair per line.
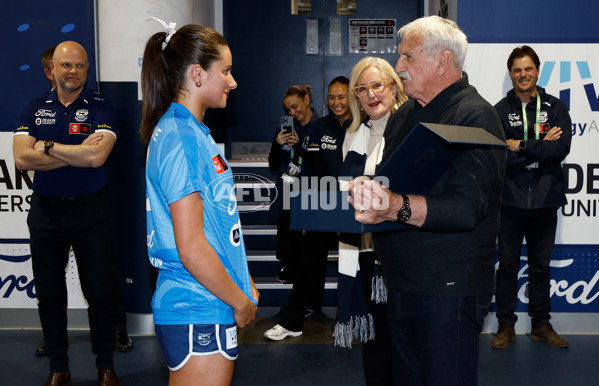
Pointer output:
505, 335
547, 335
279, 332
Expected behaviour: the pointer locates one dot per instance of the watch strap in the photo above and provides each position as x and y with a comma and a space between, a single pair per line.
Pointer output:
47, 146
405, 212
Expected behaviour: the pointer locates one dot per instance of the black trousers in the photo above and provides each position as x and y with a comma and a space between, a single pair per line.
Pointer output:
538, 226
119, 314
288, 244
85, 224
308, 285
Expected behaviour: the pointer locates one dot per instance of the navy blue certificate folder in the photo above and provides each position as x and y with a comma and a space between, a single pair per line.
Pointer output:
413, 168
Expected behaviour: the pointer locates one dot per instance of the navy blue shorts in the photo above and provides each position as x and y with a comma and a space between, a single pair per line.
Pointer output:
182, 341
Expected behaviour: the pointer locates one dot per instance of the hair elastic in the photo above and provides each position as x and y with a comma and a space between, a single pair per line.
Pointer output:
170, 30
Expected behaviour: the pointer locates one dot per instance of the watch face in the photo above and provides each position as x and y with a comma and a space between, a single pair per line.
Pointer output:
404, 214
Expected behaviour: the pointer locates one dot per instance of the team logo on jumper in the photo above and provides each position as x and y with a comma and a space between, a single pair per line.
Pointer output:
81, 115
79, 128
219, 164
204, 339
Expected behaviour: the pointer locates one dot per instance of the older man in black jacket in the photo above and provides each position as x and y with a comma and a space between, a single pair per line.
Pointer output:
440, 272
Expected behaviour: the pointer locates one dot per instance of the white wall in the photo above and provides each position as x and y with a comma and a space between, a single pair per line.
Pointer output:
125, 26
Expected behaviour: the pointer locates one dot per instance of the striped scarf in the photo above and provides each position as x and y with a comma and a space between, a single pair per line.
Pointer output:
353, 319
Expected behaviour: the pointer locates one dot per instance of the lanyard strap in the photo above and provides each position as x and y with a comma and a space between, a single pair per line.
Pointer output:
292, 152
538, 117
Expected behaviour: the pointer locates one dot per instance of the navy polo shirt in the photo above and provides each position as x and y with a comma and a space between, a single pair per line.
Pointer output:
46, 118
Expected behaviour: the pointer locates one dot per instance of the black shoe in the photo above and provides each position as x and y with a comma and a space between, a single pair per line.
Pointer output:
284, 276
123, 342
40, 350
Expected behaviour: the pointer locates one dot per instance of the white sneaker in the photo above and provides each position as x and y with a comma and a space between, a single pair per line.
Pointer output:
279, 332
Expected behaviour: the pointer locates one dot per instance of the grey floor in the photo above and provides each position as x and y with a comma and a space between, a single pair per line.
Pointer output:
308, 360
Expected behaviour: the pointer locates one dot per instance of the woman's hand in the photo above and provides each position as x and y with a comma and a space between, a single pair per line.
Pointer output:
287, 138
283, 137
245, 313
293, 138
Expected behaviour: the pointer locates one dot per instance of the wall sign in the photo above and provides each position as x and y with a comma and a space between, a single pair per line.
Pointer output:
375, 36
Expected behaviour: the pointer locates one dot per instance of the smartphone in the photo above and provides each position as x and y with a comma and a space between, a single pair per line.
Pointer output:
286, 124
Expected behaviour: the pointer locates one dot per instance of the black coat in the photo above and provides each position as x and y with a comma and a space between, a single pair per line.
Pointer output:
452, 254
544, 186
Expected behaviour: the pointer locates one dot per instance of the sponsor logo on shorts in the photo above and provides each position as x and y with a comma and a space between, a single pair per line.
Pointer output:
231, 337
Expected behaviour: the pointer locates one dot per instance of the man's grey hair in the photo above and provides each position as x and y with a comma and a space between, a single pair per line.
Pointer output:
438, 34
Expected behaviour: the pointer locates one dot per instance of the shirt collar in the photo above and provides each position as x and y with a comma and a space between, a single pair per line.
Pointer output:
184, 113
85, 95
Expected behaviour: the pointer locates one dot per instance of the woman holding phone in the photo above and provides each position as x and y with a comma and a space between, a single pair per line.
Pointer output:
289, 159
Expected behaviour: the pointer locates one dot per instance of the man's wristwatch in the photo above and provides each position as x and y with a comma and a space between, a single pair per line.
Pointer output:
47, 146
522, 145
405, 212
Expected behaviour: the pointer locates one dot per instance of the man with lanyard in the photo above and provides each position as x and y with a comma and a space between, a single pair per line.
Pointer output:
66, 136
537, 127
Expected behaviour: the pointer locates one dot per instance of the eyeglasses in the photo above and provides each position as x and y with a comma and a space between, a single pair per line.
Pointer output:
377, 87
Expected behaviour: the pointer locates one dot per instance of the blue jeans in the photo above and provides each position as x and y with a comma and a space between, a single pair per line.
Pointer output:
435, 339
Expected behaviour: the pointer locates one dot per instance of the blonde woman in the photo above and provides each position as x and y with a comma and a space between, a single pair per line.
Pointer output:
375, 93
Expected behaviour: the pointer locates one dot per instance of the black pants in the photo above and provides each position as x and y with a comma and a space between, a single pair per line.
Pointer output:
538, 227
289, 244
85, 224
119, 314
435, 339
308, 285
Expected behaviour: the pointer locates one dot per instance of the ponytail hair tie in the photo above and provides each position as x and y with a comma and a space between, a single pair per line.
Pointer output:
170, 30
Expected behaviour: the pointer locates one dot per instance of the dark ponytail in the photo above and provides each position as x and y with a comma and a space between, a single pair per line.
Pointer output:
155, 86
163, 71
